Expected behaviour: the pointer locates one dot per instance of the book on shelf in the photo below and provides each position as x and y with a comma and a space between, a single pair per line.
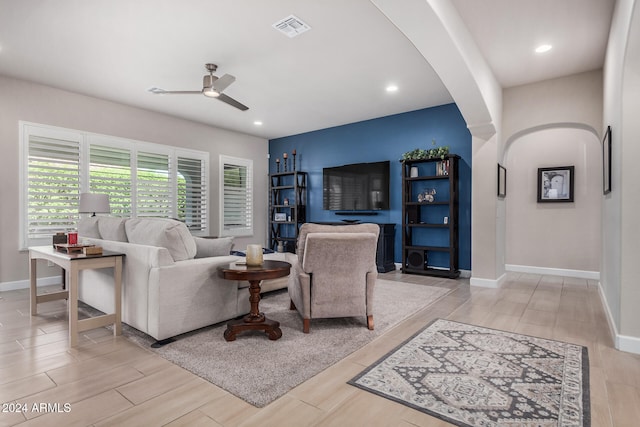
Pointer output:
442, 168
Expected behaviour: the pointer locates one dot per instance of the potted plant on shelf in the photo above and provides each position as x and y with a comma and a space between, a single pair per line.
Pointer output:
422, 154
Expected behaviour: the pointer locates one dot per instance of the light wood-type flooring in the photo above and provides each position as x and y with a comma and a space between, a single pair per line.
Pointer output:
109, 381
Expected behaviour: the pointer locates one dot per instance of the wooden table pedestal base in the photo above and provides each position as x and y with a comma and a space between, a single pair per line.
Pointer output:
270, 327
255, 320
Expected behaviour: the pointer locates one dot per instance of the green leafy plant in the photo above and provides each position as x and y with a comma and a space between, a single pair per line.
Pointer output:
421, 154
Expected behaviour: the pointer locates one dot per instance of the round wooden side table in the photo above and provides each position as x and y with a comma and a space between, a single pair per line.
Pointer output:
255, 320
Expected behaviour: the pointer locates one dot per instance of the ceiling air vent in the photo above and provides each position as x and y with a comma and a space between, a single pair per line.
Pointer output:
291, 26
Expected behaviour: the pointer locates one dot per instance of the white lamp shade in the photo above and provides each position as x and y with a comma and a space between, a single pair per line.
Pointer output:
94, 203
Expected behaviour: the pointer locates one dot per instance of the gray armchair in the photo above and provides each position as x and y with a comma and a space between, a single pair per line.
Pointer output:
335, 272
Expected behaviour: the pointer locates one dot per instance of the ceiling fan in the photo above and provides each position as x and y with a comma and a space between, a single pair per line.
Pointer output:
212, 86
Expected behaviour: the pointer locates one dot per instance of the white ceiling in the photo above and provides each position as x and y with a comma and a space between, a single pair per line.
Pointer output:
334, 74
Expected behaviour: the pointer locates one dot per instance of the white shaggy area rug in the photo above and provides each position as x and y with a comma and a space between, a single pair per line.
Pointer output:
259, 370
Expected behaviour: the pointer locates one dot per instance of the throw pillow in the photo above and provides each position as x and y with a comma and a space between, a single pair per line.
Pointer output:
166, 233
112, 228
88, 227
213, 247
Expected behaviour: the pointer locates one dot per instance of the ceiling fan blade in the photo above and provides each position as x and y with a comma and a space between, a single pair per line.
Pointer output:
160, 91
228, 100
181, 92
223, 82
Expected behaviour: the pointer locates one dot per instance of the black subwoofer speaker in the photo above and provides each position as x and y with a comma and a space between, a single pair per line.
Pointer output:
412, 215
416, 259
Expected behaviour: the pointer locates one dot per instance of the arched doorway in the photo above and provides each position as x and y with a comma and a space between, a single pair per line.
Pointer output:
554, 236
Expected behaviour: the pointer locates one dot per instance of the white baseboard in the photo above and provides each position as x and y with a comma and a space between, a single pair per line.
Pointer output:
488, 283
621, 342
581, 274
613, 329
628, 344
24, 284
465, 274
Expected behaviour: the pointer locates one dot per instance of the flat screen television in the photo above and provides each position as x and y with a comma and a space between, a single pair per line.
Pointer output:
356, 187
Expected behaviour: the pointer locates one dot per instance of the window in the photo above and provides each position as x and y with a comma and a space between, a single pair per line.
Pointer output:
192, 194
142, 179
110, 173
153, 182
53, 183
236, 197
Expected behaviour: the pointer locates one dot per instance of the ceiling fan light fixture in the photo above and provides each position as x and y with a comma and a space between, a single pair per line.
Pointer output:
207, 86
210, 92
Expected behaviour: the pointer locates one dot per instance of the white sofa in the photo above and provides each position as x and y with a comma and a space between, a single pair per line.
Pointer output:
170, 281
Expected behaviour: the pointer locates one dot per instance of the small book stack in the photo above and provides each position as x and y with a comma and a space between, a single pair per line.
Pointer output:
442, 168
92, 250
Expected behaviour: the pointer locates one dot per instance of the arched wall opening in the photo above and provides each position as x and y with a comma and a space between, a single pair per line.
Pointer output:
562, 237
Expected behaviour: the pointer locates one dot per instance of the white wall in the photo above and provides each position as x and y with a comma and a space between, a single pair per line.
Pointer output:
554, 235
554, 123
21, 100
621, 233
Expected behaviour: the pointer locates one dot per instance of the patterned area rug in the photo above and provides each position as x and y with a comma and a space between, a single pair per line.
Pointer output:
473, 376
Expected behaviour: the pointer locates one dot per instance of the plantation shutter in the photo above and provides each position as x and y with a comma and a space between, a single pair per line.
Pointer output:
53, 181
153, 192
192, 193
110, 173
237, 197
141, 179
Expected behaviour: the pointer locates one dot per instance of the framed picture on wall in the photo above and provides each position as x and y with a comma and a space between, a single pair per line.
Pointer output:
502, 181
555, 184
606, 161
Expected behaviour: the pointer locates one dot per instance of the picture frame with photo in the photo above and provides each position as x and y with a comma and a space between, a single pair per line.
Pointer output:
555, 184
280, 217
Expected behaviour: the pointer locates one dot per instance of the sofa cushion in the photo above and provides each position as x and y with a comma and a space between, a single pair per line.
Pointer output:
88, 227
167, 233
213, 247
112, 228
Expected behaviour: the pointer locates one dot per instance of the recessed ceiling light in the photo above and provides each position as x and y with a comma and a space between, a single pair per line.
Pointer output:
257, 123
543, 48
392, 88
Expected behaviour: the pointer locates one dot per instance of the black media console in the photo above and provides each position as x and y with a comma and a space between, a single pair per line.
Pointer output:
386, 244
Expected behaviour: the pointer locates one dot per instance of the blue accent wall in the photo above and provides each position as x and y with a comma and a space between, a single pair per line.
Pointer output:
386, 138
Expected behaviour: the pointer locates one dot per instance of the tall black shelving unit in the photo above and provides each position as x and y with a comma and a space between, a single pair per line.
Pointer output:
430, 218
287, 208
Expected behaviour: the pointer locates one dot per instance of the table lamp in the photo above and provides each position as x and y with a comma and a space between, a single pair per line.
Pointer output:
94, 203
